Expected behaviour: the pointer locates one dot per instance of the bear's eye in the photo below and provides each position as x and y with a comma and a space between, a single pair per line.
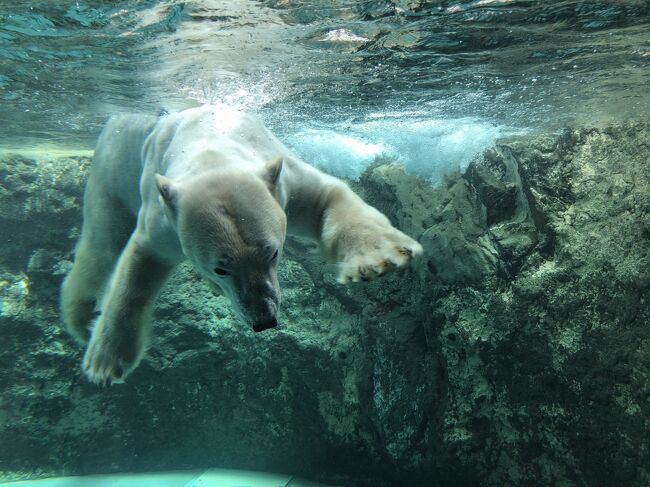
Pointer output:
275, 255
220, 272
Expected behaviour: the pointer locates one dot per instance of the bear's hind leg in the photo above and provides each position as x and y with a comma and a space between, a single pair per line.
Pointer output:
106, 229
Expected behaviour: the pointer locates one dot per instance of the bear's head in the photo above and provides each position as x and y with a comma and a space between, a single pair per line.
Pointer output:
232, 229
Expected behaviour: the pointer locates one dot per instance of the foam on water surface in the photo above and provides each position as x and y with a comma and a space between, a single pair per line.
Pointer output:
427, 147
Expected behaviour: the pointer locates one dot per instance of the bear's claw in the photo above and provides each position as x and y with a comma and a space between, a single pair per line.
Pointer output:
383, 257
104, 364
406, 251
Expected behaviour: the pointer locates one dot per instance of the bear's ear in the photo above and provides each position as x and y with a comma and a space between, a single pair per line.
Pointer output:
166, 189
272, 171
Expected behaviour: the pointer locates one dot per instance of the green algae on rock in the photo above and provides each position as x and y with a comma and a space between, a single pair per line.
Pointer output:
515, 352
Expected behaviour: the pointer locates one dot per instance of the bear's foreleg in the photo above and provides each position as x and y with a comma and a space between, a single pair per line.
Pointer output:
361, 239
351, 232
119, 337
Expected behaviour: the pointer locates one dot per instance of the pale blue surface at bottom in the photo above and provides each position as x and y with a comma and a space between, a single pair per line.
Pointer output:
214, 477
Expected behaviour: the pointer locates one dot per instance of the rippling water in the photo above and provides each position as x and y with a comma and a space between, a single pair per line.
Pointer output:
431, 81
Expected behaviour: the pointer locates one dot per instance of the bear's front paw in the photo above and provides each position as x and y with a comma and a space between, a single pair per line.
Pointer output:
109, 357
376, 254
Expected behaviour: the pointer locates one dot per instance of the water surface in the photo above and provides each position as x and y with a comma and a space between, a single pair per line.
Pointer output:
432, 82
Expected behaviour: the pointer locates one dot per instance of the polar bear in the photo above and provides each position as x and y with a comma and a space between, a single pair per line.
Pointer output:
214, 186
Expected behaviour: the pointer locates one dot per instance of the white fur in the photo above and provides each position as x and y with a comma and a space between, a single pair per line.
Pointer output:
214, 186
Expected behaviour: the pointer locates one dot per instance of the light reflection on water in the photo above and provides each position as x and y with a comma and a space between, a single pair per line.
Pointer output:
310, 66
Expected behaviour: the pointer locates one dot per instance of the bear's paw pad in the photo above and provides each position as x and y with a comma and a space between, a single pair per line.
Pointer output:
377, 256
105, 362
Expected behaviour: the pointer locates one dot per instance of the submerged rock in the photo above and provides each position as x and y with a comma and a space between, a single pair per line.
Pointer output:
516, 352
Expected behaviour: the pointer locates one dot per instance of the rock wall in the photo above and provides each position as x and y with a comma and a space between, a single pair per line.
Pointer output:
516, 352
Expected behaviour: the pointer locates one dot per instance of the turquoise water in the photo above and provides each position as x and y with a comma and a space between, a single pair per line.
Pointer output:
522, 357
411, 77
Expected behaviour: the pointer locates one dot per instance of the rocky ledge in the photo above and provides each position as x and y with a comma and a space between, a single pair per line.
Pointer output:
515, 352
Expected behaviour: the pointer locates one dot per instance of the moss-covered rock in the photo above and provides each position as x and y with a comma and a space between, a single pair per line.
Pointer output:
515, 352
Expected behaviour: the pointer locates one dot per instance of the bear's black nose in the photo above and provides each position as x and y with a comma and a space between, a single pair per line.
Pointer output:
265, 325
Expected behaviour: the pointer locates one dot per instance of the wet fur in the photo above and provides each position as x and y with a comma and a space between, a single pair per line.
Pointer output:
214, 186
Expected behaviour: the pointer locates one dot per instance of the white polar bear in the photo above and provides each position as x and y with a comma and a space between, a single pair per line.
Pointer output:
214, 186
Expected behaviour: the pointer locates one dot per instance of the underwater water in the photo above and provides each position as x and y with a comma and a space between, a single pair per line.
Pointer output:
411, 78
510, 138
